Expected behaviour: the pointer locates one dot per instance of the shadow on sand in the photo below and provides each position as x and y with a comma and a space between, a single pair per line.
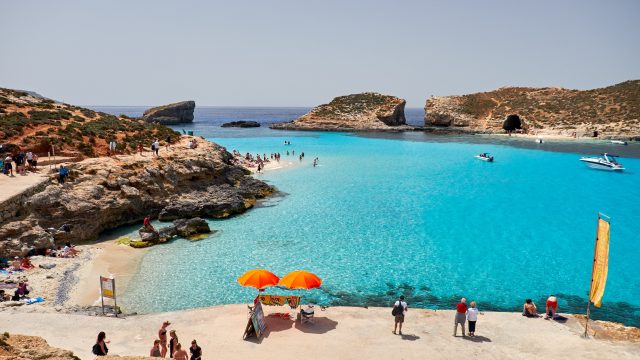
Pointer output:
320, 325
409, 337
477, 338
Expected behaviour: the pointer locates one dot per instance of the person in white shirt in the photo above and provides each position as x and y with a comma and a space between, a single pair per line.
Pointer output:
472, 317
400, 308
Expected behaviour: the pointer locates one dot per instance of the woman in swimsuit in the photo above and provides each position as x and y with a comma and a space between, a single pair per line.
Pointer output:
552, 307
162, 335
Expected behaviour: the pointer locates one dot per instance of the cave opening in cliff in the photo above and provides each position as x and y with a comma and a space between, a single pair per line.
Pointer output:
512, 122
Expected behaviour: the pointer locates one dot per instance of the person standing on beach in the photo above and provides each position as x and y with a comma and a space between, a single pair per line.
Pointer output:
195, 350
162, 335
400, 308
472, 317
168, 141
461, 312
173, 342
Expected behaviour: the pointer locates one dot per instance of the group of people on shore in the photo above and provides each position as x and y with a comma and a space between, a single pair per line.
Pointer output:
259, 160
161, 348
469, 314
24, 162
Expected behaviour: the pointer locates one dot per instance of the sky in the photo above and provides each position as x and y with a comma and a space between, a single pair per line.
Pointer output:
304, 53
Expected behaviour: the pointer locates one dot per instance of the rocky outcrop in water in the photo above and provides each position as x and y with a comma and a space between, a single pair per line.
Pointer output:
357, 112
612, 111
242, 124
171, 114
105, 193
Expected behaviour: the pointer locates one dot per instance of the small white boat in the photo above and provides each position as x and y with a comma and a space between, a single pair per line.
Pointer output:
539, 141
606, 162
485, 157
619, 142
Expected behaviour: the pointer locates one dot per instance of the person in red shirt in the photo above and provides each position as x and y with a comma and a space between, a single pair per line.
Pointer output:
461, 316
147, 223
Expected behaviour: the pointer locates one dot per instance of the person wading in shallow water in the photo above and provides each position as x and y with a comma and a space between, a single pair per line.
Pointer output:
400, 308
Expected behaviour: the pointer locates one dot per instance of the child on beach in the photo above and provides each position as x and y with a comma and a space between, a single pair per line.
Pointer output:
100, 347
195, 350
155, 350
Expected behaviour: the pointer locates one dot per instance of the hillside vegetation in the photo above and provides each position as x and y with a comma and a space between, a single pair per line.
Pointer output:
35, 123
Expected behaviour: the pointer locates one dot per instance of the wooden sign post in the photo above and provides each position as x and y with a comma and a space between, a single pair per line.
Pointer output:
108, 290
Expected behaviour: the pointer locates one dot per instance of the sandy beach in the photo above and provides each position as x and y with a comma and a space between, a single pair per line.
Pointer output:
338, 333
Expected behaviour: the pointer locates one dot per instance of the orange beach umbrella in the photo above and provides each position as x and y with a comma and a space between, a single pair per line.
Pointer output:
300, 280
258, 278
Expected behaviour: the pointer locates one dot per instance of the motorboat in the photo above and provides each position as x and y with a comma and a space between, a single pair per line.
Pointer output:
606, 162
539, 140
485, 157
619, 142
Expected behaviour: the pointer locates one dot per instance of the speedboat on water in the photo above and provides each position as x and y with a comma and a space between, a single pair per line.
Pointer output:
539, 140
485, 157
619, 142
606, 162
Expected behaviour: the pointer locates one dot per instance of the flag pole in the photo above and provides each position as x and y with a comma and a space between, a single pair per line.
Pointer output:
595, 249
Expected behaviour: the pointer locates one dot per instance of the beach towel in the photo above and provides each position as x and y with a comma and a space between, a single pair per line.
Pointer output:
31, 301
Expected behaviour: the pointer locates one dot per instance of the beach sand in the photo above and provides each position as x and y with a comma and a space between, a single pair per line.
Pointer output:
338, 333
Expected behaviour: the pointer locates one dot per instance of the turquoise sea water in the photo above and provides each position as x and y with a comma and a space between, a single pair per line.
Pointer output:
381, 217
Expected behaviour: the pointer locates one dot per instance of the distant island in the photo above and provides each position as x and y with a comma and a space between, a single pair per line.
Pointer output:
612, 111
171, 114
356, 112
242, 124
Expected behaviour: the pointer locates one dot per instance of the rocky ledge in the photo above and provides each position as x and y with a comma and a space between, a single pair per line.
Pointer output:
356, 112
105, 193
612, 111
176, 113
242, 124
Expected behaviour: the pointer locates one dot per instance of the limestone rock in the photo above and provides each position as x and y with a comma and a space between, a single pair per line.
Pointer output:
189, 227
611, 111
356, 112
181, 183
176, 113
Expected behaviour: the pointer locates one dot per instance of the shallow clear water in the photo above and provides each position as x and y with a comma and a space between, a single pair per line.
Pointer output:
381, 217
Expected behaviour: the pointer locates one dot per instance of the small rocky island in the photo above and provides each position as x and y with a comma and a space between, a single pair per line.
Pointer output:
171, 114
612, 111
242, 124
356, 112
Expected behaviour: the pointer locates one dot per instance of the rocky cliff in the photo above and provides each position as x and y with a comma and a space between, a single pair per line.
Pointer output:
176, 113
34, 123
366, 111
104, 193
612, 111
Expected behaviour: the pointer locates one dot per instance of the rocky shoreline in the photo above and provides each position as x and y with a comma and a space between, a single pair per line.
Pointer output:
109, 192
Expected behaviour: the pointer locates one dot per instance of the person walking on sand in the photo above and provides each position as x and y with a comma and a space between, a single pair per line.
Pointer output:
461, 311
551, 308
195, 350
400, 308
100, 347
155, 147
172, 342
162, 335
180, 354
472, 317
155, 350
168, 141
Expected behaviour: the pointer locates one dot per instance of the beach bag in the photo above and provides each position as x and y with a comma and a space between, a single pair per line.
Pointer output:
397, 310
